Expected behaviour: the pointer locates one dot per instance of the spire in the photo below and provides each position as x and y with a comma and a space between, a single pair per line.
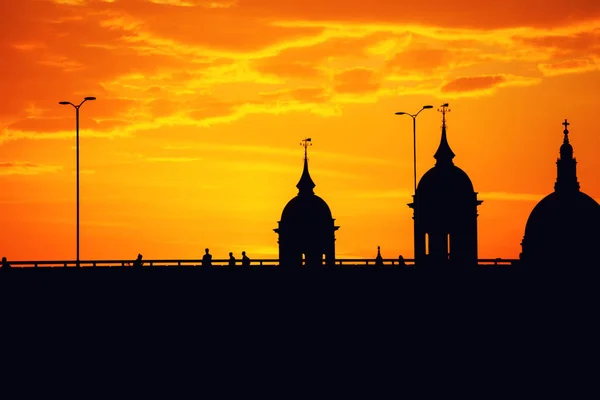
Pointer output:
566, 177
444, 154
566, 150
306, 184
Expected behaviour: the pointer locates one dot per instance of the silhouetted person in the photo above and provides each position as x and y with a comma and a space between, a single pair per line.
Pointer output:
5, 264
207, 259
231, 260
378, 259
401, 261
245, 260
138, 262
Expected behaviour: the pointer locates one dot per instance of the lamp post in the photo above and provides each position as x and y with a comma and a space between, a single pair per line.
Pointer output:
77, 157
414, 118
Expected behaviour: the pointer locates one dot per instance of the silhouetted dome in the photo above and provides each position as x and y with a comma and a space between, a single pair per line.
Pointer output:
306, 209
444, 181
560, 215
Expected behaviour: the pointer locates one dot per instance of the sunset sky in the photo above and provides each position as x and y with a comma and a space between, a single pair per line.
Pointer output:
194, 140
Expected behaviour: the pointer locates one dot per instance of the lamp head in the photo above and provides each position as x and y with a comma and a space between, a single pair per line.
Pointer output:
90, 98
400, 113
64, 103
427, 107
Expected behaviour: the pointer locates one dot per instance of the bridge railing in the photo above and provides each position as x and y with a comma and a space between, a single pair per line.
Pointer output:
344, 262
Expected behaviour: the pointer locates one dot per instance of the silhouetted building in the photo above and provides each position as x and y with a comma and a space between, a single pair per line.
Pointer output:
445, 212
307, 227
563, 229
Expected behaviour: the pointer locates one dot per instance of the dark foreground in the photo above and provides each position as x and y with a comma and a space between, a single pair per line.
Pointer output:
273, 283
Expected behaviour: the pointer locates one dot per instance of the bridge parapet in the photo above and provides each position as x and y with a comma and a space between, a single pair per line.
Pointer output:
349, 262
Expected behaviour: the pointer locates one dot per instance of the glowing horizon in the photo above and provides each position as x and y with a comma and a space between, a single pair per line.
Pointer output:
193, 140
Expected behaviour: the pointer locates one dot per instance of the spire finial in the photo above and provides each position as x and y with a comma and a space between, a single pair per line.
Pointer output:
444, 153
306, 184
566, 124
566, 131
444, 109
566, 179
305, 143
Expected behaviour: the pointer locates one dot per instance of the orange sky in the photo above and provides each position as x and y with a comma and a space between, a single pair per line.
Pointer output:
194, 139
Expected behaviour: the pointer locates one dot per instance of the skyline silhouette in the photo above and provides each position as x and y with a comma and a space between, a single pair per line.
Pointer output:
191, 143
561, 228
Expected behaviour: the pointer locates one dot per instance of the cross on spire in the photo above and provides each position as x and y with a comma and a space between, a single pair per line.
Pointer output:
566, 124
305, 143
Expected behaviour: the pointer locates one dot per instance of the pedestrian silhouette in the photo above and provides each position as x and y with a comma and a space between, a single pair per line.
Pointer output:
378, 259
231, 260
401, 261
207, 259
245, 260
5, 263
138, 262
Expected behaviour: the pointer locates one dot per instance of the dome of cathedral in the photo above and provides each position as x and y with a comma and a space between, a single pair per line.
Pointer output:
557, 214
563, 226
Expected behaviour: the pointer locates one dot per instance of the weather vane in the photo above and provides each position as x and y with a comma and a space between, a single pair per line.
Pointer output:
566, 124
444, 109
305, 143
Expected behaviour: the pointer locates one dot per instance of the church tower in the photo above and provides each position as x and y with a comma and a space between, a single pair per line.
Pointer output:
307, 228
445, 212
562, 230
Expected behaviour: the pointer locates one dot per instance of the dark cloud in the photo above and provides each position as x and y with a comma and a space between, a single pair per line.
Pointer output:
473, 83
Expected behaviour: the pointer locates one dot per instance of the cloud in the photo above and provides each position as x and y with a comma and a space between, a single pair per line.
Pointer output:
289, 70
485, 84
421, 60
356, 80
201, 63
302, 94
26, 168
569, 67
473, 83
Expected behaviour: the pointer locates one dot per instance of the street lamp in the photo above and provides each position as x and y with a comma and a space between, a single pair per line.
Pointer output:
414, 118
77, 151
